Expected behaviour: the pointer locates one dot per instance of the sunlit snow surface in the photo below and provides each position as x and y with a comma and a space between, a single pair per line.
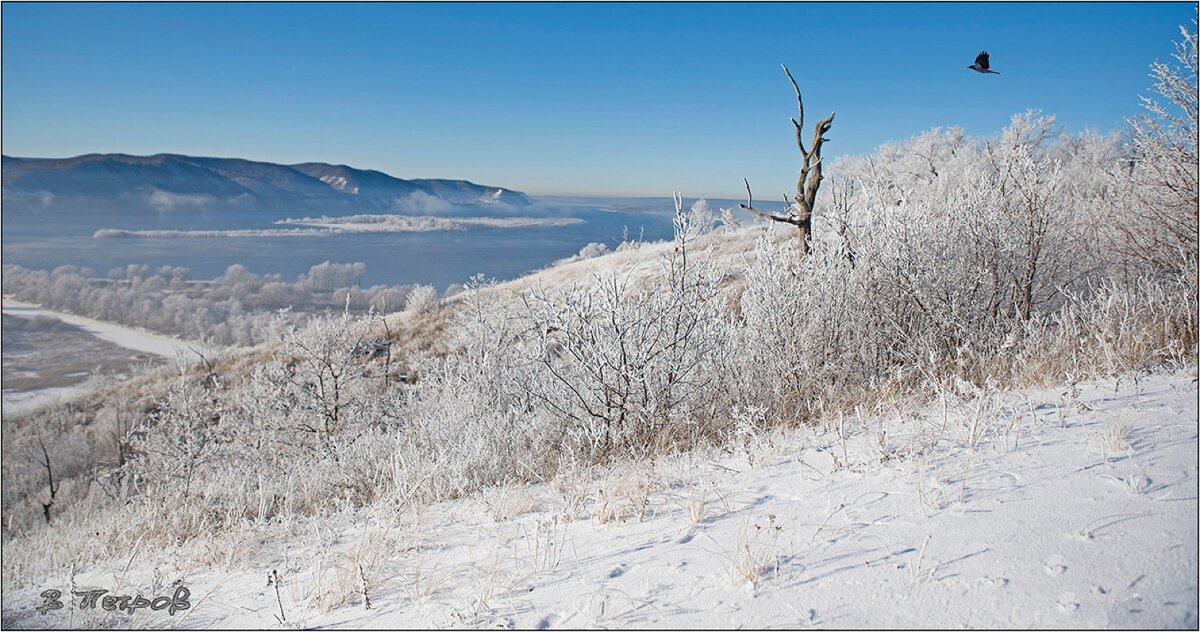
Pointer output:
1043, 523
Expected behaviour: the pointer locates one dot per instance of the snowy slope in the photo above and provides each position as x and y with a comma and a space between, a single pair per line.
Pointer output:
1062, 508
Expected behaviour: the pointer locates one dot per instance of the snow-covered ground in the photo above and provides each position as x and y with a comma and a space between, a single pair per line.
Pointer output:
1054, 508
18, 401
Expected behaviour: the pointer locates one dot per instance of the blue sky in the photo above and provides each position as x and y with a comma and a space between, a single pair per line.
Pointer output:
619, 99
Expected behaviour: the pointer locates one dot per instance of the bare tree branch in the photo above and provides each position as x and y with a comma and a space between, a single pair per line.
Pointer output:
749, 206
807, 185
800, 106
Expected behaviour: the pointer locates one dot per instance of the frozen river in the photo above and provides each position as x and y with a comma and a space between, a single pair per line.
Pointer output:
50, 354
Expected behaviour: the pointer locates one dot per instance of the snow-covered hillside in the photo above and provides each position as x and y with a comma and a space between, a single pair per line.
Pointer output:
1068, 507
970, 399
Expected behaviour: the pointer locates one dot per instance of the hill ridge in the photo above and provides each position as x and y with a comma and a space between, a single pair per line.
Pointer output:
167, 181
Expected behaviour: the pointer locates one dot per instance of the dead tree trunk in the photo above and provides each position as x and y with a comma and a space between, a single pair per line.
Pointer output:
800, 211
46, 506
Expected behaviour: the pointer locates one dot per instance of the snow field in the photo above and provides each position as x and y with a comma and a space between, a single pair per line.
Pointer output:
1068, 507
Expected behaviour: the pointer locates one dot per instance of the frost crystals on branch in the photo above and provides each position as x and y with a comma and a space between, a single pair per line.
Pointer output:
1160, 223
628, 367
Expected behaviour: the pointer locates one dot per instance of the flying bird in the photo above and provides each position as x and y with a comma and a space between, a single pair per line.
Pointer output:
981, 64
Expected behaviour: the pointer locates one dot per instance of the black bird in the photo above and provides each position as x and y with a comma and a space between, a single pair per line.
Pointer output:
981, 64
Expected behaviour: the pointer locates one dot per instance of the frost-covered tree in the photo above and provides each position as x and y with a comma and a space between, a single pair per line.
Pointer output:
326, 277
1160, 221
327, 376
179, 439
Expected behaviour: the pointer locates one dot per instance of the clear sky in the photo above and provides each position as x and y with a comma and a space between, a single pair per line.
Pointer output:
617, 99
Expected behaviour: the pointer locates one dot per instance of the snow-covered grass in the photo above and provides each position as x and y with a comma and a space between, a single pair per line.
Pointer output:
1029, 524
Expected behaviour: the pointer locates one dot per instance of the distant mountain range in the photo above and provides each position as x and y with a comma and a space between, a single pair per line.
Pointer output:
167, 182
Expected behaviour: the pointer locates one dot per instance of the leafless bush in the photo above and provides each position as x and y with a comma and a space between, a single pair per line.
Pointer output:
628, 369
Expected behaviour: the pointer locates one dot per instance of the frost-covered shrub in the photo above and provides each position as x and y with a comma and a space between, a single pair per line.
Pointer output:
701, 218
630, 369
329, 385
590, 251
384, 299
967, 230
473, 420
803, 321
177, 452
1113, 328
309, 431
421, 300
938, 257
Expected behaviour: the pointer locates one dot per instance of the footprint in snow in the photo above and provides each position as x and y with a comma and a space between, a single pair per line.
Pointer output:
1055, 565
616, 572
1067, 604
